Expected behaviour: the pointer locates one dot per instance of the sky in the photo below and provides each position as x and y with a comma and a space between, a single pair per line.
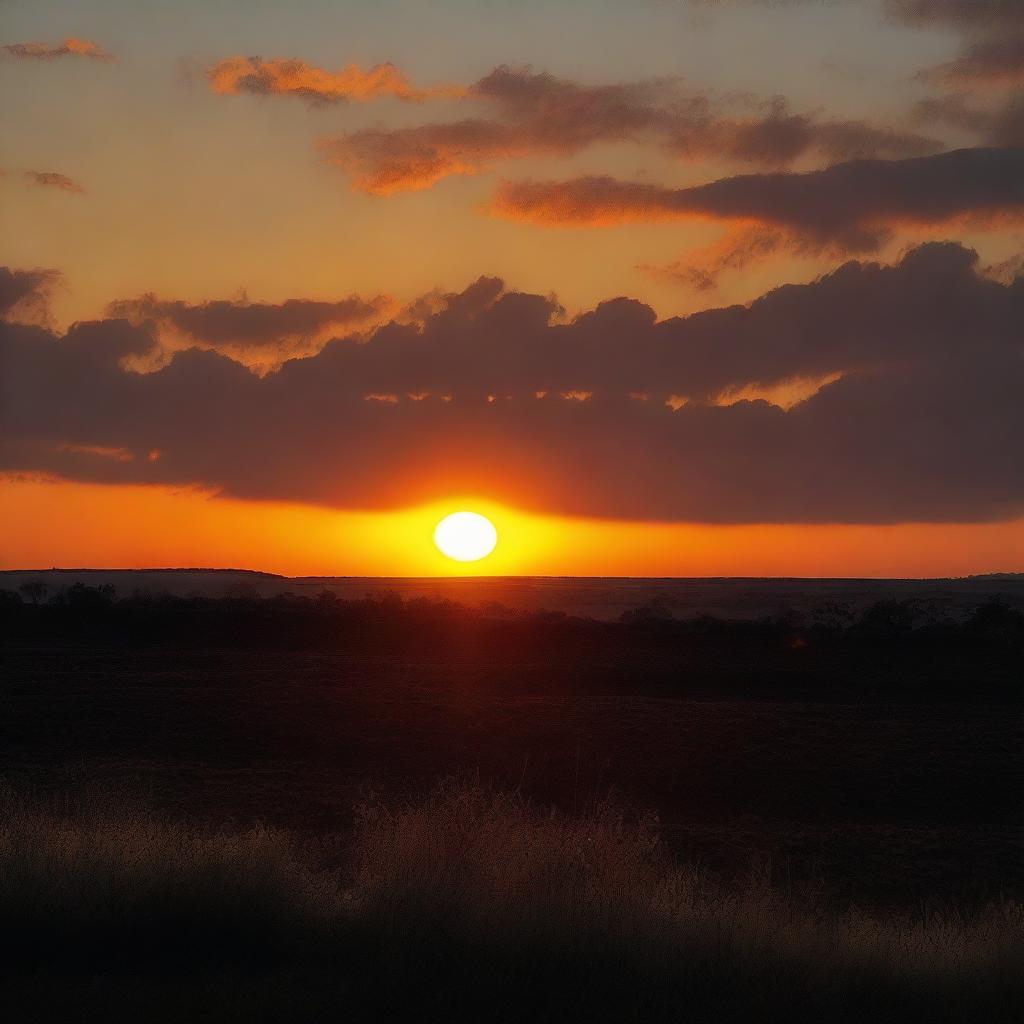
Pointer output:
666, 287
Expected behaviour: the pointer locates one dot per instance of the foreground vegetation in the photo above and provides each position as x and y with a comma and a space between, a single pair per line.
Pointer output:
470, 905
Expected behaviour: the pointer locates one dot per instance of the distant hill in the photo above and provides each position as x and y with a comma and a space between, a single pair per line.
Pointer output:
596, 597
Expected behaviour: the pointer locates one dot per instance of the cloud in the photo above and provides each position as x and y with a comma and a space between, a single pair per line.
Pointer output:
1007, 270
962, 14
540, 114
992, 49
297, 78
25, 294
986, 78
852, 205
922, 419
384, 161
997, 125
700, 269
996, 61
244, 324
51, 179
774, 137
69, 48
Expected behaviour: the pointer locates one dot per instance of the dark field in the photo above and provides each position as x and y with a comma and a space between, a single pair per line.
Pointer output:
903, 798
799, 770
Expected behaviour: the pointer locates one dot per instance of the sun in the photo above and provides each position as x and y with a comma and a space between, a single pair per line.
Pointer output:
465, 536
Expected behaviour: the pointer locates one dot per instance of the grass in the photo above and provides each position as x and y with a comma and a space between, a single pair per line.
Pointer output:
470, 905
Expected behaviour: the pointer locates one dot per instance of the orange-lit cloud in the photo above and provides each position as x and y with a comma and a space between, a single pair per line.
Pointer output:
381, 161
297, 78
853, 205
538, 113
51, 179
592, 201
700, 269
784, 393
243, 324
25, 294
69, 48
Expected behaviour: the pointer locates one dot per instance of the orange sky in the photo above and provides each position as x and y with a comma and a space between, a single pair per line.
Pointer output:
89, 526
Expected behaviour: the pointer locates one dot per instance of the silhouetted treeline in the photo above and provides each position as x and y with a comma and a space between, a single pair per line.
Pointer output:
828, 653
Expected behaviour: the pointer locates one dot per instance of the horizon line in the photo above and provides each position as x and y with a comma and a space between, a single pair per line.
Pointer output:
992, 574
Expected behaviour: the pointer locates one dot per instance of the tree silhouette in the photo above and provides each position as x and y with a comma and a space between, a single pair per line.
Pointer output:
34, 590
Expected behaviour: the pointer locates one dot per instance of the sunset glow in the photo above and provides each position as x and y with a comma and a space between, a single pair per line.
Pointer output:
63, 524
465, 536
732, 298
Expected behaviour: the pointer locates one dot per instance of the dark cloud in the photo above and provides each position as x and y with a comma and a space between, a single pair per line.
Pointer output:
1001, 124
25, 294
954, 111
537, 113
69, 48
963, 14
985, 79
924, 423
250, 324
775, 137
317, 85
1006, 127
51, 179
853, 205
995, 61
992, 48
992, 31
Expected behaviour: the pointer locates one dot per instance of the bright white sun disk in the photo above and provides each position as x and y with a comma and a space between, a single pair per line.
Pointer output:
465, 536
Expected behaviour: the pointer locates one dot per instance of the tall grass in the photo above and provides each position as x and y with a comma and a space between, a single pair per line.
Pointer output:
472, 905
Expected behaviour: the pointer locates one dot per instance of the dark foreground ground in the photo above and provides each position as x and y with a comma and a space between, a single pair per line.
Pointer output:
777, 805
